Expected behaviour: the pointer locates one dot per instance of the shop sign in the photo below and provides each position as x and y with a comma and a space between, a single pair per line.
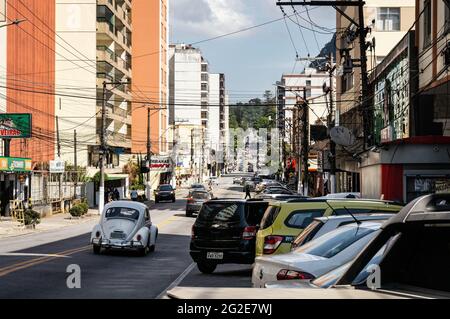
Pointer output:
387, 134
14, 164
15, 125
161, 164
57, 166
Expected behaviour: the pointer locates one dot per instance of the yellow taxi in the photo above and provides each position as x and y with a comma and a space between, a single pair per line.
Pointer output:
284, 221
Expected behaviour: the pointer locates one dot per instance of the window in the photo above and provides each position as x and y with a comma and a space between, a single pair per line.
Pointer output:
347, 82
301, 218
270, 216
427, 23
205, 77
308, 234
220, 213
120, 212
331, 244
388, 19
204, 87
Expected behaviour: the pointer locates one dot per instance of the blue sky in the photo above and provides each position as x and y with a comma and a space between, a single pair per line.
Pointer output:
253, 60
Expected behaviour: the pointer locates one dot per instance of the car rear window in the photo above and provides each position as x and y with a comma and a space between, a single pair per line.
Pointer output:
122, 212
331, 244
198, 195
221, 213
270, 216
308, 234
302, 218
165, 188
255, 213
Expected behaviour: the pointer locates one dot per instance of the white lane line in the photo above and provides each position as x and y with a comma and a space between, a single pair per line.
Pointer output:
177, 281
31, 255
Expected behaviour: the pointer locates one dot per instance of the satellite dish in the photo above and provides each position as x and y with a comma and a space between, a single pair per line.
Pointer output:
342, 136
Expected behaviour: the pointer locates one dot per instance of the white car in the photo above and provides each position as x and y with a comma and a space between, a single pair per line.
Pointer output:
317, 257
125, 225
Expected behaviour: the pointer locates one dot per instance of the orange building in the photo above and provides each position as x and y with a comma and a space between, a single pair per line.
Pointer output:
150, 74
30, 66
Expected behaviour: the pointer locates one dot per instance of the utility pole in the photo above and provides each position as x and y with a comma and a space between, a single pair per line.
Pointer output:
305, 144
149, 154
101, 190
192, 151
75, 161
331, 124
200, 175
60, 175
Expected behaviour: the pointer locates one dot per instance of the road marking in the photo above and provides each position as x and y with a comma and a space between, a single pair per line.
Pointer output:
31, 255
37, 261
177, 281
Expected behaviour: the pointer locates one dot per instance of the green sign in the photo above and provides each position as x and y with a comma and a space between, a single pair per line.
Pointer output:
15, 125
14, 164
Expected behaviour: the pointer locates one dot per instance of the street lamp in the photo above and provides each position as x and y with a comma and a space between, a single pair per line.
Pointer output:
14, 22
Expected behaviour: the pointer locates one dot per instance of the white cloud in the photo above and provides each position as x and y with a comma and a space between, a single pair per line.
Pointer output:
210, 17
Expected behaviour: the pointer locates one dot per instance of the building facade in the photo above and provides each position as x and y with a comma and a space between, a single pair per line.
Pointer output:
389, 22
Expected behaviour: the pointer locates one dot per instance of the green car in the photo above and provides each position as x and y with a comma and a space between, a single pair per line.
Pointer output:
284, 221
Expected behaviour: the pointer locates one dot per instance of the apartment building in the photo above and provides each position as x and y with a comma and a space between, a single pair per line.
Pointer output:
389, 21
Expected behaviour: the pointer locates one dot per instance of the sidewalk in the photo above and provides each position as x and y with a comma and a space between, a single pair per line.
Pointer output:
10, 228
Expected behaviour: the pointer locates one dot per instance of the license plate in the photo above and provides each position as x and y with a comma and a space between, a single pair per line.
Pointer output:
214, 256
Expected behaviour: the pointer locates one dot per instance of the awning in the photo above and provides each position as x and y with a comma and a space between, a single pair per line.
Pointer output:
116, 177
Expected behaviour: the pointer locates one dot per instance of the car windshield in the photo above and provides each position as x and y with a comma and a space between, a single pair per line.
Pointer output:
221, 213
329, 245
197, 186
165, 188
122, 212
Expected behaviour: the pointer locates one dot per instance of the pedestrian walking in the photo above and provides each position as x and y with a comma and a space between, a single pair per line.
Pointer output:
247, 192
134, 195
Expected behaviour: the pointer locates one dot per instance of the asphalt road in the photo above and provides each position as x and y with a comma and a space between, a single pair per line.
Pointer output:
41, 271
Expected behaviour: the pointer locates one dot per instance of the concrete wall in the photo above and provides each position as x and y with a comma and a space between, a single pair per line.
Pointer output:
76, 40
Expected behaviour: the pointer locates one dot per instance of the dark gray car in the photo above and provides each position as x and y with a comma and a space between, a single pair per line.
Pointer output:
196, 200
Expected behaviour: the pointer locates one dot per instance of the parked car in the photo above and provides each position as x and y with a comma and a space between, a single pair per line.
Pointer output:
342, 195
237, 180
125, 225
268, 183
284, 221
164, 193
275, 190
225, 232
279, 197
195, 201
252, 183
323, 225
317, 257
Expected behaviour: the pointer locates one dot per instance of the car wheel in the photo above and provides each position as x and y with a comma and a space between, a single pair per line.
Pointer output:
97, 249
206, 268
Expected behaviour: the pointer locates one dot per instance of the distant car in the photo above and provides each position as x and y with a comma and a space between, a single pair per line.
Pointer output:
317, 257
213, 180
195, 201
280, 197
323, 225
252, 183
237, 180
125, 225
197, 187
267, 183
225, 231
164, 193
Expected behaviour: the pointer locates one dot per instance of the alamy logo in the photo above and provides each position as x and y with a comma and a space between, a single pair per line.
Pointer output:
374, 279
74, 279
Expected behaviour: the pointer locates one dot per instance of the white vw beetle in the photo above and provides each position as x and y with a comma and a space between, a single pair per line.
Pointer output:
125, 225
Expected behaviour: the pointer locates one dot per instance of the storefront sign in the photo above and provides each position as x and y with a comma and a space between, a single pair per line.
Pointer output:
13, 164
57, 166
15, 125
386, 134
161, 164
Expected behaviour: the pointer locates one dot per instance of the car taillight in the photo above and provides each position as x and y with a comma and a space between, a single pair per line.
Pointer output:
271, 244
138, 237
249, 233
286, 274
190, 200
